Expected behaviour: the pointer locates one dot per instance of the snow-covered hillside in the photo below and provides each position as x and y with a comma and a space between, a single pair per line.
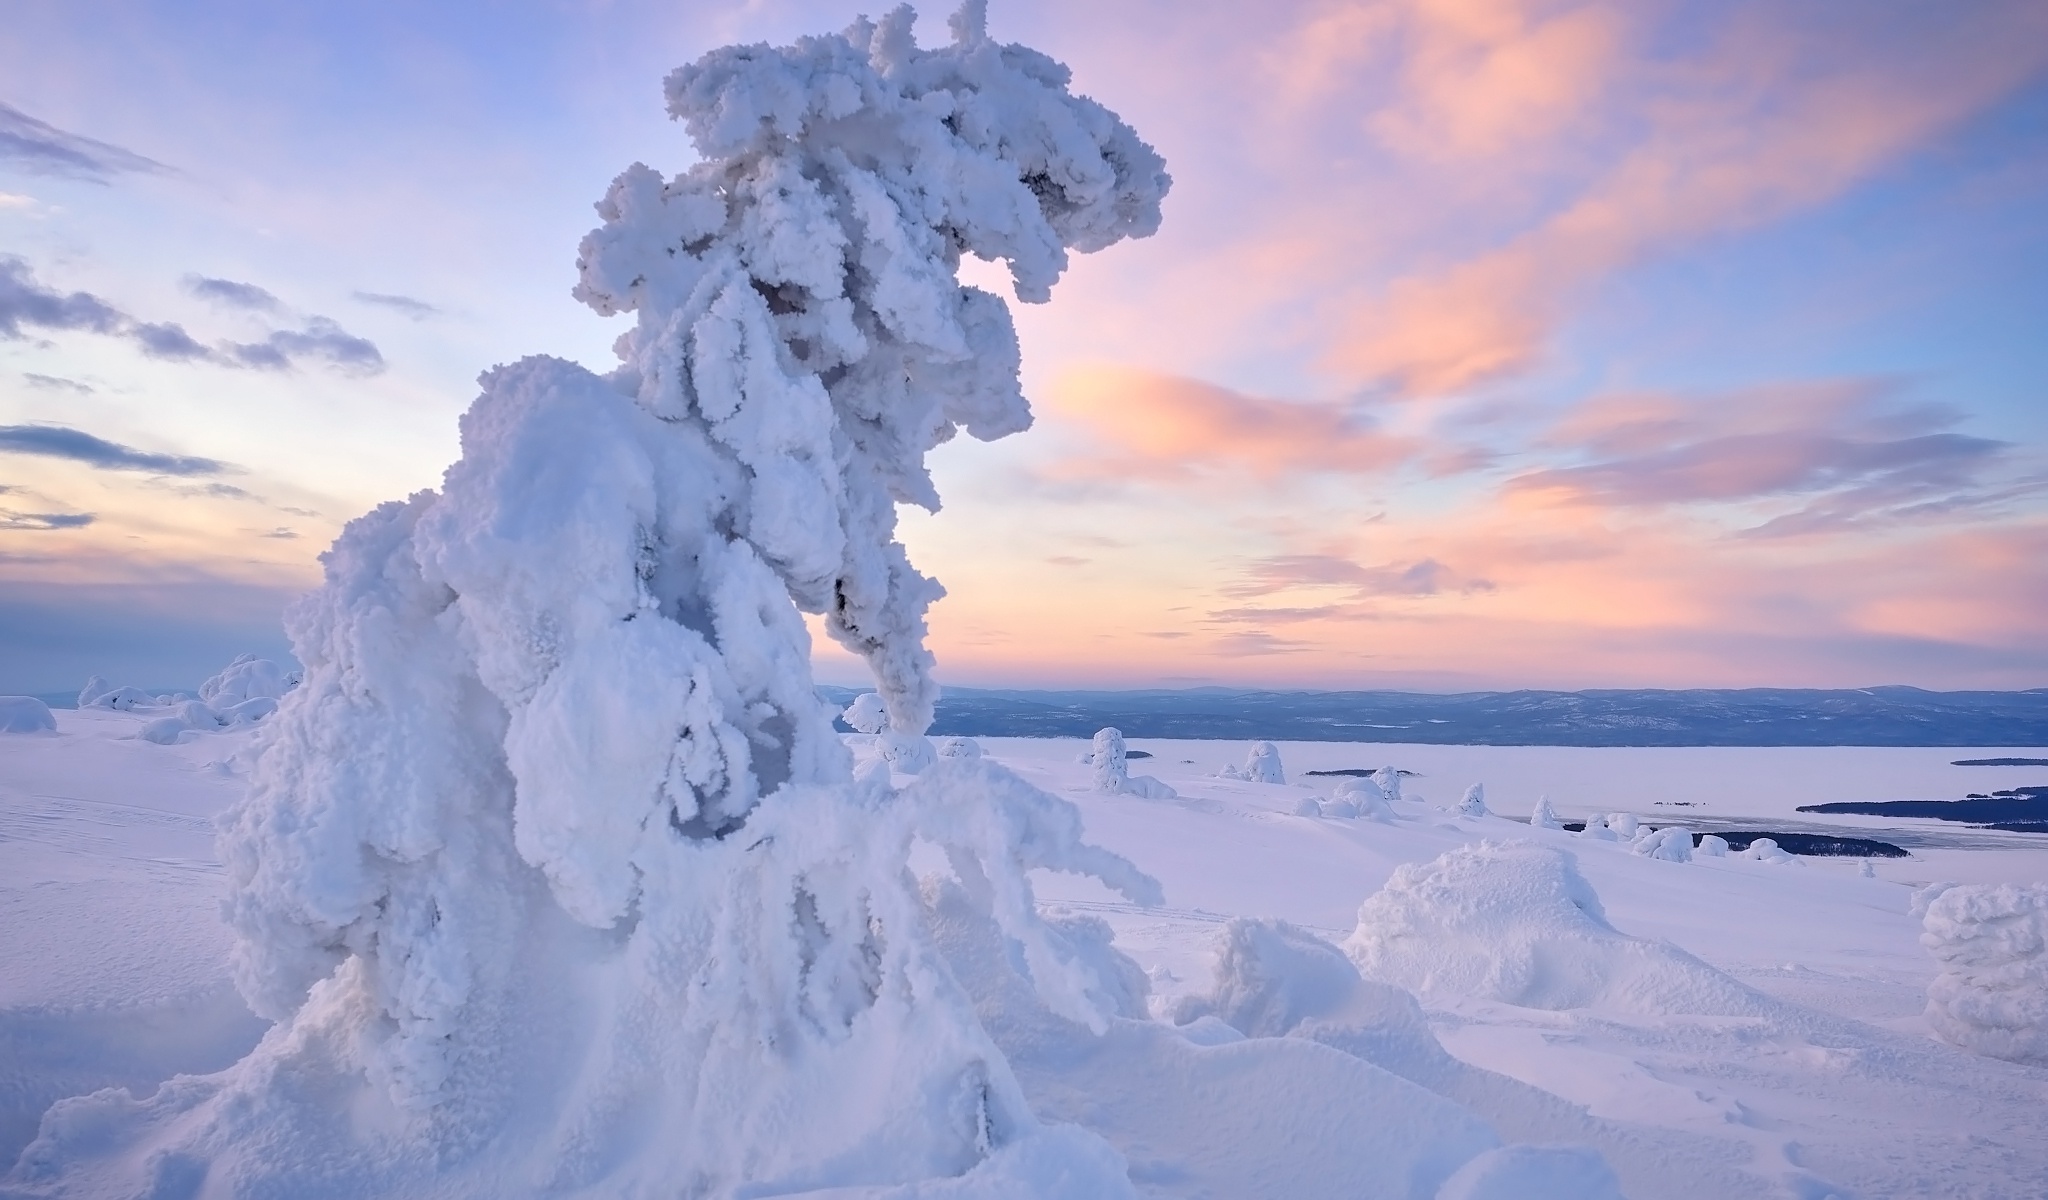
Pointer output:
1713, 1028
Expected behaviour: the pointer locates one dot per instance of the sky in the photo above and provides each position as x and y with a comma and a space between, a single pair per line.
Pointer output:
1486, 344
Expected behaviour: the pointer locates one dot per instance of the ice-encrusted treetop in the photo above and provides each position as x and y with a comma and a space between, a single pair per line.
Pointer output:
797, 289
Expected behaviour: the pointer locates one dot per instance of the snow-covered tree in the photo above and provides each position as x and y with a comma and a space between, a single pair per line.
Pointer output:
866, 714
1388, 780
554, 873
1262, 764
1112, 770
1473, 803
1545, 816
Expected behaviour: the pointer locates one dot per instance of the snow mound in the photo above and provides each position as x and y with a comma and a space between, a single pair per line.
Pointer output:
1765, 849
1667, 845
247, 678
1270, 977
1517, 923
553, 873
25, 714
1991, 997
1625, 826
1711, 846
1365, 800
98, 693
959, 747
1261, 765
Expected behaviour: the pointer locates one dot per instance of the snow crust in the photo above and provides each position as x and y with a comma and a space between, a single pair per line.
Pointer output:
1991, 996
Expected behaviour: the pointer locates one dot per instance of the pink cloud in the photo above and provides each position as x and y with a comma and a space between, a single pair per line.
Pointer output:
1155, 426
1773, 119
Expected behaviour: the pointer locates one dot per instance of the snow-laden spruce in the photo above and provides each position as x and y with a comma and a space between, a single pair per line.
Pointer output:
553, 873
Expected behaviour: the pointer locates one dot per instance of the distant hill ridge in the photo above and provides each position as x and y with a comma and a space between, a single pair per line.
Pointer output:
1879, 716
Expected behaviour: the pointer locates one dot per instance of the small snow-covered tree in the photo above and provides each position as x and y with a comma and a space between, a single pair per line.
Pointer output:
1112, 770
1473, 803
1262, 764
1545, 816
554, 872
866, 714
1388, 780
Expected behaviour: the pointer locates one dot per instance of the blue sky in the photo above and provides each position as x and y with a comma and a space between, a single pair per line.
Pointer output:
1488, 343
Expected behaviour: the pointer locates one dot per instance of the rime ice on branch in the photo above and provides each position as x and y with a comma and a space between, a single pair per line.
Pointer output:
553, 872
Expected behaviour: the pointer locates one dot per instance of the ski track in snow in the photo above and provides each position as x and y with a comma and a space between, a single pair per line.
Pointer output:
113, 971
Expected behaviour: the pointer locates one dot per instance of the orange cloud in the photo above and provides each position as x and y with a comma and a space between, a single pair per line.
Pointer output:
1157, 426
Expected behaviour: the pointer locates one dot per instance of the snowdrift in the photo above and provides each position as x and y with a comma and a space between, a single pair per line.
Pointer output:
1516, 922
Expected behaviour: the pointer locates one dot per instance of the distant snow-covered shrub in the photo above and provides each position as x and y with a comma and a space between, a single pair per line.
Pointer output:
1991, 996
866, 714
1711, 846
1669, 845
98, 693
1596, 830
1544, 816
247, 678
1112, 772
1473, 804
1388, 780
1765, 849
1261, 765
959, 747
1624, 825
1516, 922
25, 714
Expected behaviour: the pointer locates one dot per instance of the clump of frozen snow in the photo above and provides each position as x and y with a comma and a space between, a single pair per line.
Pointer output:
1261, 765
553, 872
1544, 816
247, 678
1473, 803
1991, 996
1711, 846
98, 693
1625, 826
1669, 845
1917, 904
1363, 798
1765, 849
1517, 923
1271, 976
25, 714
866, 714
959, 747
1596, 830
1112, 772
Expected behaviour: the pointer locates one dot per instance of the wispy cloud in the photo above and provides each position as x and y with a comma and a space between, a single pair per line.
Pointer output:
418, 310
233, 294
58, 441
1845, 450
26, 304
56, 383
38, 146
44, 522
1164, 426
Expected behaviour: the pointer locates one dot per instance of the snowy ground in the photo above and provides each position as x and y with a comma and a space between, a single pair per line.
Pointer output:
112, 957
